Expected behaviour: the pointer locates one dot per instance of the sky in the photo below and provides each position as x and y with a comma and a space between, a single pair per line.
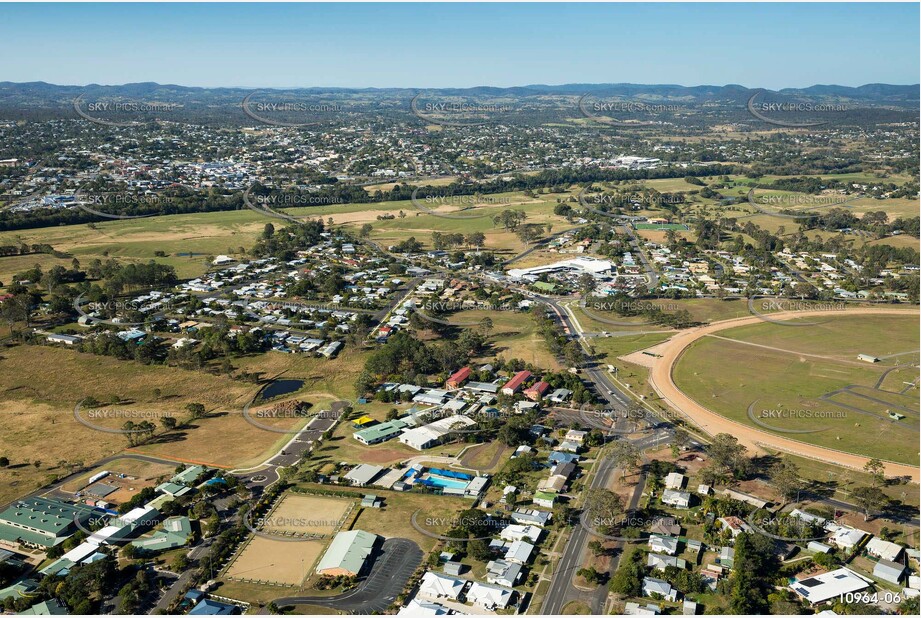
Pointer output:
460, 45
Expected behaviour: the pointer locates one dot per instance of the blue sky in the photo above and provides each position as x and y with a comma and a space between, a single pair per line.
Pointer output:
442, 45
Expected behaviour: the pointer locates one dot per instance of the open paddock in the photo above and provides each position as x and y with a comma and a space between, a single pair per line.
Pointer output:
271, 562
300, 515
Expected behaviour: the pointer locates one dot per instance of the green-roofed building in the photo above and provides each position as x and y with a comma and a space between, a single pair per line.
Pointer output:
348, 553
381, 432
47, 608
189, 475
174, 532
43, 522
18, 590
159, 501
173, 489
544, 498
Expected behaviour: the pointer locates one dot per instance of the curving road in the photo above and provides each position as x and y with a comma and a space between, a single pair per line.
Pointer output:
662, 380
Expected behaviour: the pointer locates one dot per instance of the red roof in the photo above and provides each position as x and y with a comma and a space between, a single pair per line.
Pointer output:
460, 375
518, 380
539, 388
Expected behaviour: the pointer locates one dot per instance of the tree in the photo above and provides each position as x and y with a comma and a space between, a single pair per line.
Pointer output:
4, 462
196, 410
680, 440
729, 456
628, 580
366, 230
597, 548
625, 455
603, 506
785, 476
875, 468
168, 422
869, 499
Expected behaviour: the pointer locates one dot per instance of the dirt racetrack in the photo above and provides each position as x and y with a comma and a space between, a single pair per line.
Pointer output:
660, 377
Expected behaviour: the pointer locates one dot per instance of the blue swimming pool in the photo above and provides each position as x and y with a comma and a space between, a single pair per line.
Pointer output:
440, 481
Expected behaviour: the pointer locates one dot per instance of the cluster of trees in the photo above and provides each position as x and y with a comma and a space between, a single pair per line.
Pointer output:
568, 350
284, 243
83, 588
406, 358
442, 241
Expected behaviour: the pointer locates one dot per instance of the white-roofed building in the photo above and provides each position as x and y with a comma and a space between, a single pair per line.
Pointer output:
830, 585
884, 550
517, 532
489, 596
652, 586
423, 608
674, 480
519, 551
847, 538
435, 586
427, 436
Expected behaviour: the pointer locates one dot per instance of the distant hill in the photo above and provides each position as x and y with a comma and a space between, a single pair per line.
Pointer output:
538, 102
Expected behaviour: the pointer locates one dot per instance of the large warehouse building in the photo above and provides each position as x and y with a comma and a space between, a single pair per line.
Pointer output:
348, 553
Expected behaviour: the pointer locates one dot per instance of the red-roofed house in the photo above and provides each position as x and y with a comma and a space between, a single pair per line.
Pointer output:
511, 387
537, 391
459, 377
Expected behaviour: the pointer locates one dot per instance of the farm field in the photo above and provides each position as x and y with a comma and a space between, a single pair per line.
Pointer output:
790, 376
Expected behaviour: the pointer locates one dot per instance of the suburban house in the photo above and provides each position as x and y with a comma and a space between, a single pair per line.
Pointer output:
674, 480
665, 526
660, 561
889, 571
884, 550
734, 524
435, 586
503, 573
519, 551
490, 597
660, 587
663, 545
531, 517
517, 532
830, 585
545, 499
846, 537
678, 499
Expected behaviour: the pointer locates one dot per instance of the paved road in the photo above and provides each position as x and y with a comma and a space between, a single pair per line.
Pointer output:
266, 474
389, 574
172, 593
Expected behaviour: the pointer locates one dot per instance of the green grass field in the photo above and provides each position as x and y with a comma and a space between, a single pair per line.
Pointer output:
790, 369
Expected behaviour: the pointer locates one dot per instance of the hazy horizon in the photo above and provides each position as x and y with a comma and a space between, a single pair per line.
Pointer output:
425, 45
